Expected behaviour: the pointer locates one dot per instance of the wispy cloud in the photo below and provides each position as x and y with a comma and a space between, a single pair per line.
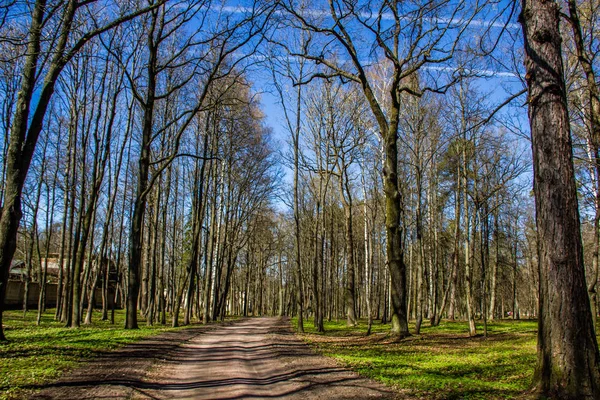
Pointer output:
458, 22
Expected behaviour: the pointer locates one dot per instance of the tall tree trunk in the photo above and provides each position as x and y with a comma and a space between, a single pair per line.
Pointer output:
467, 244
11, 214
209, 248
420, 270
350, 289
280, 313
139, 207
296, 140
494, 273
515, 303
455, 253
34, 235
484, 250
368, 260
568, 358
50, 204
318, 322
198, 215
434, 274
67, 257
394, 245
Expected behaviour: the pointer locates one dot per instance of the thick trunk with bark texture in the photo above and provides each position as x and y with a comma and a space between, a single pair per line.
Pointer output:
11, 214
568, 356
394, 249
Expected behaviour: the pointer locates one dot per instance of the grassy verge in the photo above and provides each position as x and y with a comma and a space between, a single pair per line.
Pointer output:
39, 354
441, 363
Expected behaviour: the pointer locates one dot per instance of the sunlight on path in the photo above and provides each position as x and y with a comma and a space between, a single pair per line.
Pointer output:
255, 358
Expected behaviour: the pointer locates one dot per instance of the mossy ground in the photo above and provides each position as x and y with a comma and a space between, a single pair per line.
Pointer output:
36, 355
442, 362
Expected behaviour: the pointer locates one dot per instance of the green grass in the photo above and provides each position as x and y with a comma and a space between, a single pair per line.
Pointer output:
36, 355
441, 363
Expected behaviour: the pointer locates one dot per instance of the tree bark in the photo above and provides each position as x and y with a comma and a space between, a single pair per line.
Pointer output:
568, 357
11, 209
394, 246
296, 140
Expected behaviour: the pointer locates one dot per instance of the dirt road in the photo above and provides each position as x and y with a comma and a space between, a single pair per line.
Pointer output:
256, 358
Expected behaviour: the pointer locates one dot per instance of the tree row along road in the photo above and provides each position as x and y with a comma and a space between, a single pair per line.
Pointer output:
250, 358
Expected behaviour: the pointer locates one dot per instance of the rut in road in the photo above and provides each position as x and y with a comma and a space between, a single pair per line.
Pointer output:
257, 358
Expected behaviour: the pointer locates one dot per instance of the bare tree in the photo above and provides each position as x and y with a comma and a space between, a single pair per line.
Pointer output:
27, 122
212, 65
402, 38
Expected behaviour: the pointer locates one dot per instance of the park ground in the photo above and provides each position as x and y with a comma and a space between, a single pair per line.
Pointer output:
442, 362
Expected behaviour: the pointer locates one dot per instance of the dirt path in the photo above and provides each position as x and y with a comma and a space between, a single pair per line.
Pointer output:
255, 358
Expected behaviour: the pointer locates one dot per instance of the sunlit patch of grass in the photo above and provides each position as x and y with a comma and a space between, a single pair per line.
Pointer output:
443, 362
39, 354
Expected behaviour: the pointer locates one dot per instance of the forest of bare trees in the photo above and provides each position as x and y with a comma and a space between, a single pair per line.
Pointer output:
422, 161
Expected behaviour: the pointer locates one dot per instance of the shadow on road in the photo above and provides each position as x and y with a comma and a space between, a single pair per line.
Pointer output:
251, 358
